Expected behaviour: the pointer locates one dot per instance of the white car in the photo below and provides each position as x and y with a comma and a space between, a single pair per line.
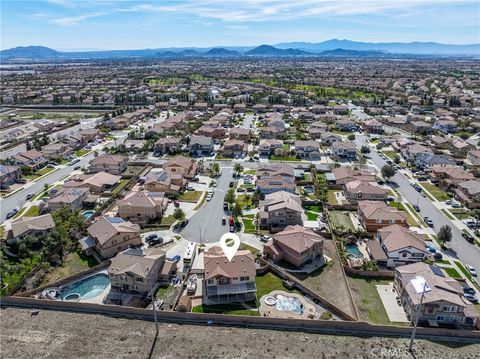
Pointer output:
209, 197
472, 270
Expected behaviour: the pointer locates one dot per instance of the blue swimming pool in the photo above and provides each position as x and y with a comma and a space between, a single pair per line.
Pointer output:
289, 304
88, 214
85, 288
353, 250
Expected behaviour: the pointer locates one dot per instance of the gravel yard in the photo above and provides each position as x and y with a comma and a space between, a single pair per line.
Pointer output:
61, 335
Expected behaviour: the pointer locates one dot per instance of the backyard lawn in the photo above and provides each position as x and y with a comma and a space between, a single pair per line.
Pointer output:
311, 216
72, 264
435, 192
267, 283
120, 186
341, 221
331, 198
317, 209
230, 309
191, 196
369, 304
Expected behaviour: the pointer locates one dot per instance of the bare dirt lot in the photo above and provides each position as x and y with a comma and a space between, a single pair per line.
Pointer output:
67, 335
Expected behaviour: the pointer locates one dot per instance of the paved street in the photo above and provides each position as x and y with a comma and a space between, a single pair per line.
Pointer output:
206, 225
248, 121
466, 252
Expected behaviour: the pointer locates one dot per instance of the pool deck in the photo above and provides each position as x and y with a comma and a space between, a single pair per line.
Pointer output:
309, 311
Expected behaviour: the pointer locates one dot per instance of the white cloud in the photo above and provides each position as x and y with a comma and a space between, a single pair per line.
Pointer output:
74, 20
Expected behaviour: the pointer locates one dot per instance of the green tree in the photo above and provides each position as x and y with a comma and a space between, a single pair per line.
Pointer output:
215, 168
396, 159
230, 196
445, 234
178, 214
238, 168
388, 172
237, 209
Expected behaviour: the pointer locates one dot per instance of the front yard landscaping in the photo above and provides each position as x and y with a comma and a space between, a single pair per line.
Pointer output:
390, 154
33, 211
311, 216
435, 191
246, 200
341, 221
464, 271
452, 272
190, 196
248, 226
39, 173
461, 213
167, 221
284, 158
82, 152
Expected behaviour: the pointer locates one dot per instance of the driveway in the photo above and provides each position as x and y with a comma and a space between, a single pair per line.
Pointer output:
395, 312
205, 226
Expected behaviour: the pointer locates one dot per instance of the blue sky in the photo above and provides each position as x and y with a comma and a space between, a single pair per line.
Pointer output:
119, 24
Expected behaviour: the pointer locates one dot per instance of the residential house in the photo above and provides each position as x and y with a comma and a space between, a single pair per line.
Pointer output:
271, 184
166, 145
167, 182
234, 148
346, 124
415, 152
422, 127
460, 148
38, 227
374, 215
342, 175
449, 175
296, 245
201, 145
309, 150
275, 169
140, 271
468, 193
89, 134
433, 160
445, 126
440, 143
358, 190
111, 235
346, 150
228, 281
142, 207
72, 198
441, 297
372, 126
56, 150
279, 210
269, 147
400, 246
328, 138
239, 133
271, 132
181, 165
213, 132
473, 157
239, 108
113, 164
32, 159
98, 183
9, 175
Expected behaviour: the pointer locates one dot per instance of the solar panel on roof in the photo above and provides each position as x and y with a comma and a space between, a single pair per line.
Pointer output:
437, 270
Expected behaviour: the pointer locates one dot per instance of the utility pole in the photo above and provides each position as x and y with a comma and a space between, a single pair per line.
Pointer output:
417, 314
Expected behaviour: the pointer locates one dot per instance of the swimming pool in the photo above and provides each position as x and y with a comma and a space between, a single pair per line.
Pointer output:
85, 288
88, 214
289, 304
353, 250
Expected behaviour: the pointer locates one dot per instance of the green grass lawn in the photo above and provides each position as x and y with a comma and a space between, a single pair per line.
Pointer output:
33, 211
245, 200
331, 199
2, 232
446, 213
461, 213
464, 271
247, 186
311, 216
284, 158
191, 196
254, 250
452, 272
120, 186
341, 221
410, 220
250, 172
72, 264
267, 283
162, 291
367, 300
39, 173
318, 209
82, 152
167, 221
200, 205
390, 154
229, 309
19, 213
435, 191
248, 226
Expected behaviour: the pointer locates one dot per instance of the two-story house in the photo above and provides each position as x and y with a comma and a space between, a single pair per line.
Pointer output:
356, 191
32, 158
201, 145
142, 207
72, 198
279, 210
374, 215
268, 147
113, 164
181, 165
234, 148
309, 150
37, 227
346, 150
468, 193
296, 245
167, 182
240, 133
166, 145
271, 184
443, 303
228, 281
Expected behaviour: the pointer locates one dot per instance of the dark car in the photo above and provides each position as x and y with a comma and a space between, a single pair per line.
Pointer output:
468, 237
416, 208
176, 203
21, 180
225, 206
195, 179
151, 237
184, 223
438, 256
471, 297
77, 167
153, 242
231, 184
30, 195
232, 229
468, 290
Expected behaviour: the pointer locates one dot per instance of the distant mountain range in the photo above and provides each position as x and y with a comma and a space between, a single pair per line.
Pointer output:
330, 48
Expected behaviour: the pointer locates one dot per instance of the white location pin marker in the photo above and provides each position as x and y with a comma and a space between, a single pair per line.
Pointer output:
229, 250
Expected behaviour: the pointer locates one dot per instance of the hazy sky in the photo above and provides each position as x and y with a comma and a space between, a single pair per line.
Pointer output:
126, 24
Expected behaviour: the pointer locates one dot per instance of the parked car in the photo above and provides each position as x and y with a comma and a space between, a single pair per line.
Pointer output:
151, 237
471, 270
156, 241
195, 179
209, 198
76, 168
184, 223
471, 297
264, 238
176, 203
21, 180
12, 212
240, 189
416, 208
176, 258
469, 290
189, 188
225, 206
231, 184
449, 201
30, 195
431, 248
428, 221
438, 256
456, 205
224, 221
232, 229
468, 237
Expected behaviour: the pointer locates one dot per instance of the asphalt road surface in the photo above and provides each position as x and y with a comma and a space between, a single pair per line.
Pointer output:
466, 252
206, 225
